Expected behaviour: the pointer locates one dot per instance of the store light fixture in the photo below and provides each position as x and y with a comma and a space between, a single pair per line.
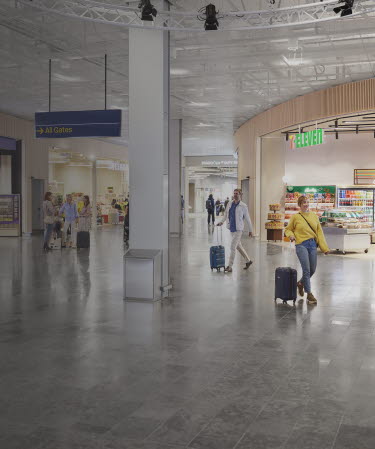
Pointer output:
346, 9
148, 11
208, 14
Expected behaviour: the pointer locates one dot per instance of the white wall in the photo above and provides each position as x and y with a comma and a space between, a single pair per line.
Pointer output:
109, 178
223, 187
332, 163
78, 179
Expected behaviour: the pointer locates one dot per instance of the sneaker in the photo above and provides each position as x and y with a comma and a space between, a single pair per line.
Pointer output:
301, 291
247, 264
228, 269
311, 299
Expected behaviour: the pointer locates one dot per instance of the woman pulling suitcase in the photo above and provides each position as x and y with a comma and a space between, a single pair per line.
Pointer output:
304, 228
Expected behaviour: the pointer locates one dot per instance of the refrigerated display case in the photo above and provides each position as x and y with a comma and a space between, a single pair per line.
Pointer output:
360, 200
346, 230
10, 216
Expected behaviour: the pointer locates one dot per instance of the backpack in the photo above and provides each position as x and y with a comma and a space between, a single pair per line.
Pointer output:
208, 205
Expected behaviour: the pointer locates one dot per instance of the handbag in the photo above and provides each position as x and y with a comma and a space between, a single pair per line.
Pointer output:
49, 219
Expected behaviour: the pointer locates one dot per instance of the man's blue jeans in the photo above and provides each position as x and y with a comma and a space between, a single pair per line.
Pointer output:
307, 255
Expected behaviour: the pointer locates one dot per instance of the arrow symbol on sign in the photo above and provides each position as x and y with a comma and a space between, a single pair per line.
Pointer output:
40, 131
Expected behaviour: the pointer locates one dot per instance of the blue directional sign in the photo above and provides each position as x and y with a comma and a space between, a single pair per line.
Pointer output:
105, 123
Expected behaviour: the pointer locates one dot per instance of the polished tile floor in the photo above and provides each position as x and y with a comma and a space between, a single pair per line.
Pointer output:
216, 366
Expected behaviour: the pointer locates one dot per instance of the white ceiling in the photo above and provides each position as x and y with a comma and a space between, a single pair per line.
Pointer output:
218, 79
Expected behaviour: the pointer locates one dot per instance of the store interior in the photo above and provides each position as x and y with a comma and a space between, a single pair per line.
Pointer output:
102, 178
338, 176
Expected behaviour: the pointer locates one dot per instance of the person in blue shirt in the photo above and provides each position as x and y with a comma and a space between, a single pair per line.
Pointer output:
69, 209
236, 214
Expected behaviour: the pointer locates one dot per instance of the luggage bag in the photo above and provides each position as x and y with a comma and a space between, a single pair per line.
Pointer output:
286, 284
217, 254
83, 239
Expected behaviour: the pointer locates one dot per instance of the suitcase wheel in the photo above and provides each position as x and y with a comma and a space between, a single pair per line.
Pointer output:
294, 302
285, 301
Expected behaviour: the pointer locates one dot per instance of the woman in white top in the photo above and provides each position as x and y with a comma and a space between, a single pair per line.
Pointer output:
48, 218
85, 215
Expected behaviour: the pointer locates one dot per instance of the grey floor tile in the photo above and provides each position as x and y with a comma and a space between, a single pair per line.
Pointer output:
355, 437
217, 363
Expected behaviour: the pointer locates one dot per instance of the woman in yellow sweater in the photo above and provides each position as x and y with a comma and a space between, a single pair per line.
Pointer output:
304, 228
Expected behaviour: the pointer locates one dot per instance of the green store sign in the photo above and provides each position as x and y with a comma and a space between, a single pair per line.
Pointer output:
307, 139
312, 189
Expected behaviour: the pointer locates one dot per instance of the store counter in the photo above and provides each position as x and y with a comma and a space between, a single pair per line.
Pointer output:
343, 239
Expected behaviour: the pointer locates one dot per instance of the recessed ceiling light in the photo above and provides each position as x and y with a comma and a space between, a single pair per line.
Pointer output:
205, 125
176, 71
200, 105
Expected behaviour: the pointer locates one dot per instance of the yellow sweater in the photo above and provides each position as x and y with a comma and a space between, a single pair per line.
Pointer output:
299, 229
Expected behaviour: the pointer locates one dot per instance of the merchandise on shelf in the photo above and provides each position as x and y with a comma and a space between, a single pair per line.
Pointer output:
321, 198
10, 214
357, 200
274, 225
345, 219
276, 216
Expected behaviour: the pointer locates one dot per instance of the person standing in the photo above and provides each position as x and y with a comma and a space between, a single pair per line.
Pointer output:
210, 206
84, 223
48, 218
304, 228
236, 213
69, 209
217, 207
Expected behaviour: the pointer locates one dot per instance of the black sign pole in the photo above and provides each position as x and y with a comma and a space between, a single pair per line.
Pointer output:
105, 81
49, 86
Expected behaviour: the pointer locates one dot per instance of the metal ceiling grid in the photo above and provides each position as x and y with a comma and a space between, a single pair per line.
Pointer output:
218, 80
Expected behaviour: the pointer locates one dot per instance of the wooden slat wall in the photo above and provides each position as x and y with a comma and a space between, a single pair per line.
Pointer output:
347, 98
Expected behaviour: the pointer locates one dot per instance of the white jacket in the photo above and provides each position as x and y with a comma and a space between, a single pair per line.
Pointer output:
242, 214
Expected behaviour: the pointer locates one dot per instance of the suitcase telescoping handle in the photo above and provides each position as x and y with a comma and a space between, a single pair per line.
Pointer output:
219, 241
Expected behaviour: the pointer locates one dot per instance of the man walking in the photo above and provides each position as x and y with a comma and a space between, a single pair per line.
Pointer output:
235, 214
210, 206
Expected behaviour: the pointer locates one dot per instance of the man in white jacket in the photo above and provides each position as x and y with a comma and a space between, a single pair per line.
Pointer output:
236, 213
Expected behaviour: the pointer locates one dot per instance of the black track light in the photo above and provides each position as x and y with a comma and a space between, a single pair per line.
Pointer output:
346, 9
148, 11
211, 22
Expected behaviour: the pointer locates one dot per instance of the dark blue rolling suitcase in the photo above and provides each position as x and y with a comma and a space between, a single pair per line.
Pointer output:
286, 284
83, 239
217, 255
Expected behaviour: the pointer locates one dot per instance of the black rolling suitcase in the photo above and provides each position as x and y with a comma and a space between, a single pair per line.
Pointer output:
286, 284
83, 239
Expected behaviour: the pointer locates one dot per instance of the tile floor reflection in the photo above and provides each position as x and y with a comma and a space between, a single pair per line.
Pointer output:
218, 365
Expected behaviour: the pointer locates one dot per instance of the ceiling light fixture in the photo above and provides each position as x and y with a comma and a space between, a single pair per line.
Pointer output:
148, 11
209, 17
346, 9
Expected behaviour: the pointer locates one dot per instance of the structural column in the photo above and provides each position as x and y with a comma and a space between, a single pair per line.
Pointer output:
175, 152
93, 194
148, 142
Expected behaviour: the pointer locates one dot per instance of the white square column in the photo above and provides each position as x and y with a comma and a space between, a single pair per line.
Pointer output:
149, 142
